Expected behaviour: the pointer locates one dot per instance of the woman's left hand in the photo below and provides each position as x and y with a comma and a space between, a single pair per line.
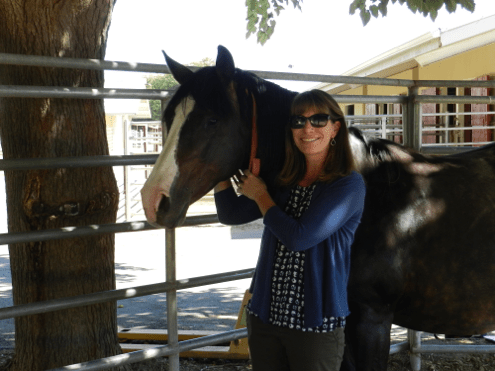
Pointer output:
251, 186
254, 187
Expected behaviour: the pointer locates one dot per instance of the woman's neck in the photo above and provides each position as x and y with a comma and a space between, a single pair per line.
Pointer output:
314, 167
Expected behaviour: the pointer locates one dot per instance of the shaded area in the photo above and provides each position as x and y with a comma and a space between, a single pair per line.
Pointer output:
213, 309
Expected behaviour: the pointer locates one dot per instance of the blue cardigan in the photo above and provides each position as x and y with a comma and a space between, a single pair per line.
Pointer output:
325, 232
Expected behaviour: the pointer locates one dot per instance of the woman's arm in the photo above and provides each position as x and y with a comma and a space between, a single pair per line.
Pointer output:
233, 209
255, 189
326, 214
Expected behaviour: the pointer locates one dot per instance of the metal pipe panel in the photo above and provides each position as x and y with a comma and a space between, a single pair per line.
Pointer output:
89, 64
122, 294
160, 351
73, 162
399, 347
96, 64
172, 325
370, 99
15, 91
455, 99
96, 229
460, 348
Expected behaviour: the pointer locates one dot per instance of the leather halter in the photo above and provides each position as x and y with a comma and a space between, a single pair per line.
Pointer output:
254, 163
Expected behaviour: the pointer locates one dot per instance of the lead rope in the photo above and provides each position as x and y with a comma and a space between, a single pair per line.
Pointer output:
254, 162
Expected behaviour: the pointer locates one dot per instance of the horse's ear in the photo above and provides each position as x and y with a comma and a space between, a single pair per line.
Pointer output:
225, 64
181, 73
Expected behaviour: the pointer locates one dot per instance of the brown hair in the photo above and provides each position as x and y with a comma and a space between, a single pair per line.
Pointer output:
339, 161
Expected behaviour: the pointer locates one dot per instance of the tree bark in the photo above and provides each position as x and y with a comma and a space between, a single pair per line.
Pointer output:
45, 199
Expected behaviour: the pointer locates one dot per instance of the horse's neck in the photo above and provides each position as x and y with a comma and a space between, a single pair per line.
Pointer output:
273, 104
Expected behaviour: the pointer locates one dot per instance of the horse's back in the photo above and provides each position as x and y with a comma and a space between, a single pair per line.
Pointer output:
426, 245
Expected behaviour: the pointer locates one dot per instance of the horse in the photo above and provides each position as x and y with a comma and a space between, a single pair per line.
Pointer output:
424, 254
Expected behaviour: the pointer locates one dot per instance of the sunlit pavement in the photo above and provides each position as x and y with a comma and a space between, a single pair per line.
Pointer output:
200, 251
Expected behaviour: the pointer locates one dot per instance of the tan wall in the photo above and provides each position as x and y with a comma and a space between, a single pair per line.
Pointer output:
466, 66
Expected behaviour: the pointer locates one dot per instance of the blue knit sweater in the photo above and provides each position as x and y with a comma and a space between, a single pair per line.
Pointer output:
325, 232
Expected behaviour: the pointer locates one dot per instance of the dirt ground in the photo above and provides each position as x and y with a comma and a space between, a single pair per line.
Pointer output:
397, 362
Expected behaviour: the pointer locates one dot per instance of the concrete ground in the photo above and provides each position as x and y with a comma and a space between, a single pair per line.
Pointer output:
200, 251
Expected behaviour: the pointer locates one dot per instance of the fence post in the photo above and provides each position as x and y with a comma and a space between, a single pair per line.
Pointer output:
172, 327
383, 122
415, 349
127, 173
411, 118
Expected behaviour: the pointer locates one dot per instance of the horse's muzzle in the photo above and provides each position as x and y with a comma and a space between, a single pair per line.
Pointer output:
170, 216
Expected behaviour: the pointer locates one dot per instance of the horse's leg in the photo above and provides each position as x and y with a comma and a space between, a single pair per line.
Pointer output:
367, 338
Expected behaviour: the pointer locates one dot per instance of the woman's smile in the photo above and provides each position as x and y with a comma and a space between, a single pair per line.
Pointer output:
313, 140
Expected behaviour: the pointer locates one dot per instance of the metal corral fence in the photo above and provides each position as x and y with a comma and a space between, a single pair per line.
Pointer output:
411, 132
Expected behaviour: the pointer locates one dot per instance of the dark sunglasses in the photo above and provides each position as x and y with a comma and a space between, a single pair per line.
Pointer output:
319, 120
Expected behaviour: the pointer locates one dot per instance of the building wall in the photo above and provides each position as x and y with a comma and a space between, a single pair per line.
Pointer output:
475, 64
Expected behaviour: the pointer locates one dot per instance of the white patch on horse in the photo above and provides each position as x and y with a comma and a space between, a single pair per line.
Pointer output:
166, 170
361, 158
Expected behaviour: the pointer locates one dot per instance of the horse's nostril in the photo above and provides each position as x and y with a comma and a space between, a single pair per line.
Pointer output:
164, 205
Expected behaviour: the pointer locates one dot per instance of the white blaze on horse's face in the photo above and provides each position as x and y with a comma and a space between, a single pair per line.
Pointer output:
166, 170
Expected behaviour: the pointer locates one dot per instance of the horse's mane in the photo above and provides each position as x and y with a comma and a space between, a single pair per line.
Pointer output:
273, 111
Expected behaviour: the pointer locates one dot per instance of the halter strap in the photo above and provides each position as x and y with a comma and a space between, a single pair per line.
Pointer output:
254, 163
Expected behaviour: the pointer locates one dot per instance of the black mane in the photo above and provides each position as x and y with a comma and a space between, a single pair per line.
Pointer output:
273, 111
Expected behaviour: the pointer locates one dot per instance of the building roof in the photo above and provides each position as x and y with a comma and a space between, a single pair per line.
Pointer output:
422, 51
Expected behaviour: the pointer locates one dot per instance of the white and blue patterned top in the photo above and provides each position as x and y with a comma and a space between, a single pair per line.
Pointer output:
324, 233
287, 294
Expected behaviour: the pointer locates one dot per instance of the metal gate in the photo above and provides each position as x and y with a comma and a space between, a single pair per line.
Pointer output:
411, 132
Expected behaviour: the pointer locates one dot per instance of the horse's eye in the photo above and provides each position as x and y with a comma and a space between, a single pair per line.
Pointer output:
212, 121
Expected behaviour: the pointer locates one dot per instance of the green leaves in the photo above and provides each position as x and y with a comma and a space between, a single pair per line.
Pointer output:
261, 13
425, 7
260, 17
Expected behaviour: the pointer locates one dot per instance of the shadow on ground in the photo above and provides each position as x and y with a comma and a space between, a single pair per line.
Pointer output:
214, 309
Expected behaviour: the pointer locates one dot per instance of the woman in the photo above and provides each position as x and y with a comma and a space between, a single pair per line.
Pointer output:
296, 316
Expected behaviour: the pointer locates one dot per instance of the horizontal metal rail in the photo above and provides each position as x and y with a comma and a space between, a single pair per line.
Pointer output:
121, 294
465, 99
96, 64
89, 64
457, 128
159, 351
399, 347
426, 145
17, 91
370, 99
461, 348
96, 229
438, 114
436, 150
75, 162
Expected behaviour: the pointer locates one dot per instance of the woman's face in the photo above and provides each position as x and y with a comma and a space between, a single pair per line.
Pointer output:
315, 141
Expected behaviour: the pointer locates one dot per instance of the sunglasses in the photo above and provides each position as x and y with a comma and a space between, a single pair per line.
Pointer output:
319, 120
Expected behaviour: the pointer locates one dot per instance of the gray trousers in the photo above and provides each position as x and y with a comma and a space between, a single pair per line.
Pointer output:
275, 348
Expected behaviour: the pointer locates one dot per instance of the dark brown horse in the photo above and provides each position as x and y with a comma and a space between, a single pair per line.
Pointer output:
424, 254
